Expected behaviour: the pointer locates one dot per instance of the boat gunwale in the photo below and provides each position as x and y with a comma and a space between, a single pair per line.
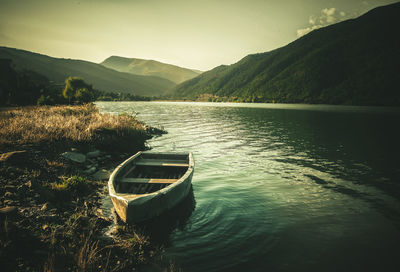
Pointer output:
118, 169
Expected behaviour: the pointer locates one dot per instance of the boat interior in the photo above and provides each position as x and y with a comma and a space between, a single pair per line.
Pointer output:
151, 172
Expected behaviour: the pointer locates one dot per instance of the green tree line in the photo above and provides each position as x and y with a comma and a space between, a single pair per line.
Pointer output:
29, 88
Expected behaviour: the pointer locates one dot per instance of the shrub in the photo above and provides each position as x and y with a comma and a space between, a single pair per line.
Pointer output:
74, 186
45, 100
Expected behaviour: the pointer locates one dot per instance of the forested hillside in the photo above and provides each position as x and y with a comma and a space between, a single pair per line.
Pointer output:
352, 62
102, 78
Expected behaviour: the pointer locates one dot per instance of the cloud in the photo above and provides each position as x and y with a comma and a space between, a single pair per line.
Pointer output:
328, 11
312, 20
327, 16
304, 31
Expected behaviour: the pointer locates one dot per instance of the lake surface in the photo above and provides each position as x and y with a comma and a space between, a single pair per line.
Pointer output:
283, 187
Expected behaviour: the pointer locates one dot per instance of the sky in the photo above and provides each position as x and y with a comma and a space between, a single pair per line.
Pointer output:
196, 34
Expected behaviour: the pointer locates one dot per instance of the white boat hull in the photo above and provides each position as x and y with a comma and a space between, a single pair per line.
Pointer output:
141, 207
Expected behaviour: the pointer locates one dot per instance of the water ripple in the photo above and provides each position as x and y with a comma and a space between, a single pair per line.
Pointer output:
282, 187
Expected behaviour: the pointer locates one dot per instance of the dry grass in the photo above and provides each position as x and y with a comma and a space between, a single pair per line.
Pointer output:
55, 163
87, 255
55, 123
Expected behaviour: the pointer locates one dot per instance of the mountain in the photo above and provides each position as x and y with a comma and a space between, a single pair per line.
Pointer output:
102, 78
150, 68
351, 62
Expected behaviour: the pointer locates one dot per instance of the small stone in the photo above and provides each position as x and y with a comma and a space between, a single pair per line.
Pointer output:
74, 156
93, 154
90, 170
102, 174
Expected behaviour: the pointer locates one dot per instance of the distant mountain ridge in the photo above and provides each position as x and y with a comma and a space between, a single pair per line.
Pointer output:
150, 68
102, 78
351, 62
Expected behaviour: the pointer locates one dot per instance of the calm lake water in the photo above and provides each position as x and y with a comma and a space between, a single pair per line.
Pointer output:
283, 187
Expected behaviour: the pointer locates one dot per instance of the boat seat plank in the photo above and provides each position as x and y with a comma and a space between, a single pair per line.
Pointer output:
129, 171
176, 163
148, 180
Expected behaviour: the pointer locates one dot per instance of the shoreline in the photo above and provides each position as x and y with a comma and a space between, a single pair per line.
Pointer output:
288, 106
262, 103
51, 192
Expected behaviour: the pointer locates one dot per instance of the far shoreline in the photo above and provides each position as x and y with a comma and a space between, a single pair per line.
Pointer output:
283, 106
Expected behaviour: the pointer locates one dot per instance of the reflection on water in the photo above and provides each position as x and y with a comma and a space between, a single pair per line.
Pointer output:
283, 187
160, 228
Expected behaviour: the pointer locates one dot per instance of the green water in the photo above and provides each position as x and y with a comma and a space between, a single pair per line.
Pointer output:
283, 187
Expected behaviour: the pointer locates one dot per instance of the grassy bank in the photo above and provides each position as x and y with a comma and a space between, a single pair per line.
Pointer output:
80, 125
50, 216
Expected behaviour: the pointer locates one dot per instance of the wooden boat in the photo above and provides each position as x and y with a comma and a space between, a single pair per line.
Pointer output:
147, 184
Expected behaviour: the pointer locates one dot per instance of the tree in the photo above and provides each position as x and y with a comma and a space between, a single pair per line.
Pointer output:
8, 81
19, 87
77, 90
84, 95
